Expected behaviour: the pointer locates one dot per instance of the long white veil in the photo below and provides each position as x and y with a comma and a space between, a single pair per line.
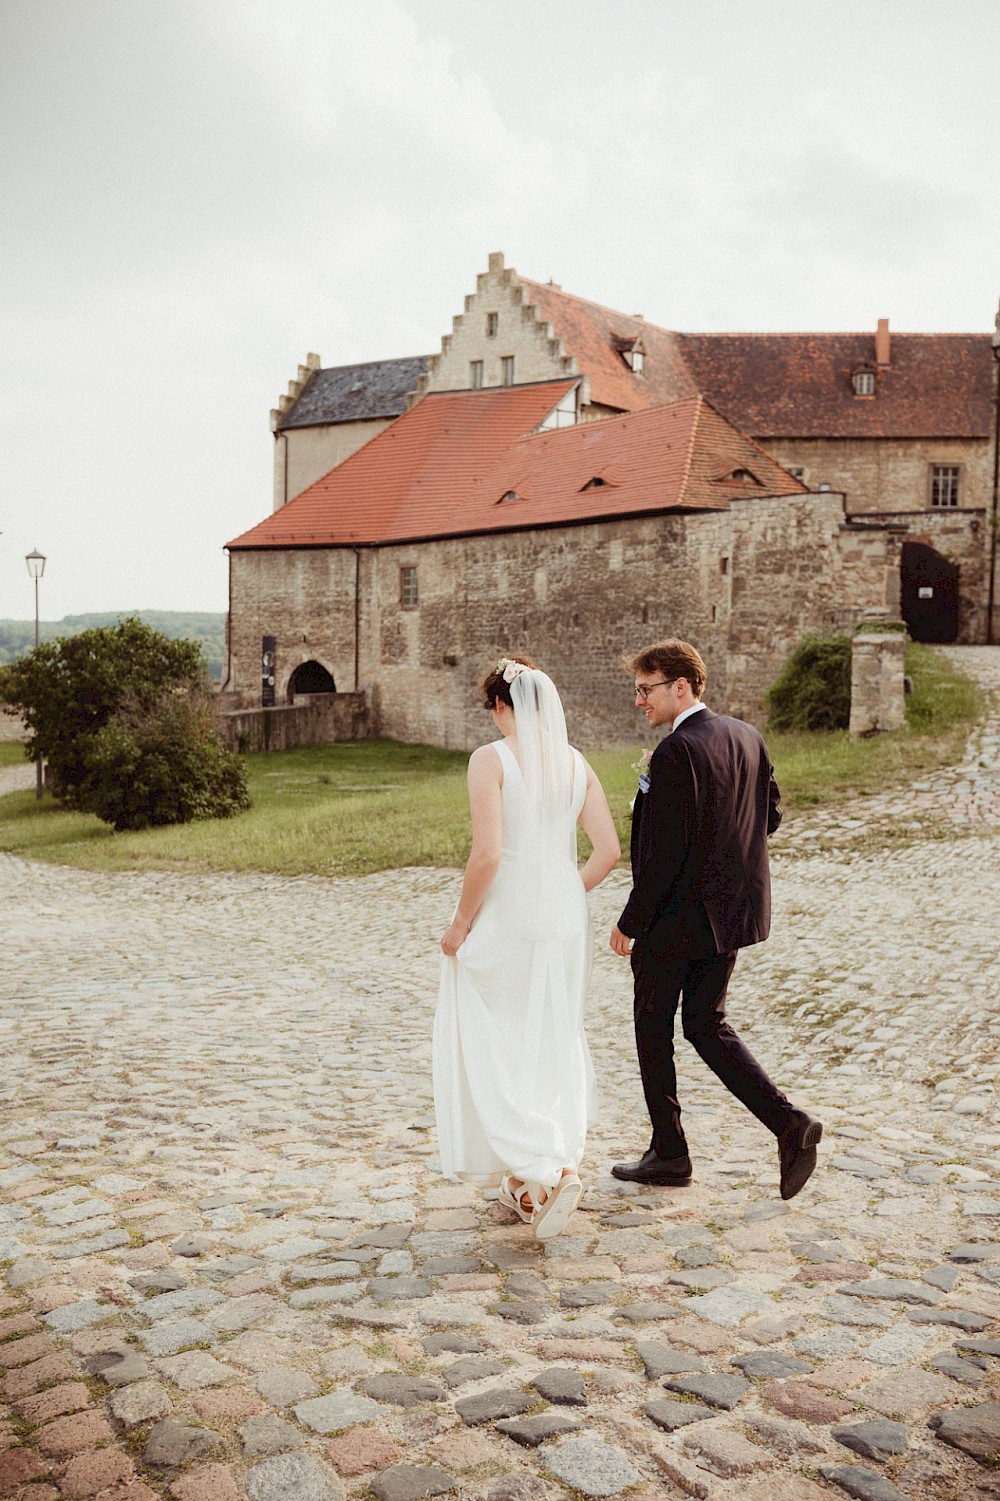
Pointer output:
547, 768
546, 763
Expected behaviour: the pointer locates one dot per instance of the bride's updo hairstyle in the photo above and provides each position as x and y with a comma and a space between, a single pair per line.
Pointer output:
494, 688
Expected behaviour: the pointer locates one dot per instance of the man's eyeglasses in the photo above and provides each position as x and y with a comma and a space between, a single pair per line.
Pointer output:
643, 689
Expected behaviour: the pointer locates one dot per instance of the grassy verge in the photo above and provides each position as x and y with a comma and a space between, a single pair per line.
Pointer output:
374, 805
829, 766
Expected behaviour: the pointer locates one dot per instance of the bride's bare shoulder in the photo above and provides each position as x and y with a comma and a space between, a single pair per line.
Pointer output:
485, 761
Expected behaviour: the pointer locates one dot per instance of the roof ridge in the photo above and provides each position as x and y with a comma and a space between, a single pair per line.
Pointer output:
830, 333
389, 359
550, 380
589, 302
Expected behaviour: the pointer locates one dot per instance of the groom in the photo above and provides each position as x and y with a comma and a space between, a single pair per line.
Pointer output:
701, 891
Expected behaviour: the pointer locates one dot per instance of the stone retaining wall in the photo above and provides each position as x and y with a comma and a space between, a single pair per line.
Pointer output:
323, 720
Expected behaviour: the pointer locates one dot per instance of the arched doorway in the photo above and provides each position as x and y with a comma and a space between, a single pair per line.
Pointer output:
310, 677
929, 589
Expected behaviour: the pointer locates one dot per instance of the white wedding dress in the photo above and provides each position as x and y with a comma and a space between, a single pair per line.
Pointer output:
513, 1080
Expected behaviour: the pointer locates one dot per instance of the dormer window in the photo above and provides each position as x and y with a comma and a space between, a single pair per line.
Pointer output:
507, 497
740, 476
597, 483
631, 351
863, 381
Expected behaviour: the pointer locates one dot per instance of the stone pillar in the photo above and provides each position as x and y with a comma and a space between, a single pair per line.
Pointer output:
877, 690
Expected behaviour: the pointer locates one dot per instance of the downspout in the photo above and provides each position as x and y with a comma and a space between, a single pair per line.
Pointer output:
229, 627
995, 504
357, 617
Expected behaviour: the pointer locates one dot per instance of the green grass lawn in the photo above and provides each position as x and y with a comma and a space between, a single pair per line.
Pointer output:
370, 805
12, 753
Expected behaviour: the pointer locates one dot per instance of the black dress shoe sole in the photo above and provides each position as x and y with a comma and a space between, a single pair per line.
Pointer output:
803, 1165
654, 1180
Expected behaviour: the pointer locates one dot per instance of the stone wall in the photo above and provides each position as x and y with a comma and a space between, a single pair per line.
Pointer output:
325, 719
743, 584
303, 455
305, 599
886, 474
963, 538
12, 727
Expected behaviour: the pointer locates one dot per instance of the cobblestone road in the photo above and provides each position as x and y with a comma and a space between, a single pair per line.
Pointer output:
232, 1270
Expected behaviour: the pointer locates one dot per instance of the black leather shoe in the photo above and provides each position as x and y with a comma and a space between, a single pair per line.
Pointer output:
797, 1152
664, 1172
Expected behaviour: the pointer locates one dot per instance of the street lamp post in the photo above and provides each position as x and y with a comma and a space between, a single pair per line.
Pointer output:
36, 567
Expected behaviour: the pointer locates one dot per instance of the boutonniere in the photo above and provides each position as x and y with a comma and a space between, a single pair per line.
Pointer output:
642, 767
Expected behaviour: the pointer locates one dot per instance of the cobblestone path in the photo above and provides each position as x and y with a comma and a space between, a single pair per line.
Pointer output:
229, 1268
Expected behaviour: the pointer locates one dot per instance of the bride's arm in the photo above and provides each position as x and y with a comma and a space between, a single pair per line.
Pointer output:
487, 843
599, 827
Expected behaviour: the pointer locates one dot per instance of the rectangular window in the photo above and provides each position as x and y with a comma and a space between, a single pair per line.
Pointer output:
492, 324
796, 471
408, 595
507, 370
944, 484
476, 374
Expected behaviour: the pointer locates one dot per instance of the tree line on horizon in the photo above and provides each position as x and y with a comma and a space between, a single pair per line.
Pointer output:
205, 627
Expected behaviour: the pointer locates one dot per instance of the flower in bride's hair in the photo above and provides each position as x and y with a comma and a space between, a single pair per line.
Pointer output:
509, 668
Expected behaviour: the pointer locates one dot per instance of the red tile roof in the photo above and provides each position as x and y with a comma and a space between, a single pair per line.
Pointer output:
444, 467
589, 332
799, 385
781, 385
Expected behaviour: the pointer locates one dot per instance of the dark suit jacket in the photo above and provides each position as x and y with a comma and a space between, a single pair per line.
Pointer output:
700, 875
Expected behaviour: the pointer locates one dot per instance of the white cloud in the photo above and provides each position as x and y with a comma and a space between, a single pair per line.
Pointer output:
200, 191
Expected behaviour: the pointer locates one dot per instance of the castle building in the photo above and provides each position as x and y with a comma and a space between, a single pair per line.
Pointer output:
566, 480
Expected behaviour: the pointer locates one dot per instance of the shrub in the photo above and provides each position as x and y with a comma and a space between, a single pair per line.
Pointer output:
813, 691
67, 691
164, 764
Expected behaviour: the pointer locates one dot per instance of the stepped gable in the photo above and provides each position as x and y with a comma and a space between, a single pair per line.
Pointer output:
463, 462
354, 393
799, 385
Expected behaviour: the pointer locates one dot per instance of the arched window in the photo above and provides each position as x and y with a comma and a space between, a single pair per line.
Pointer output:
311, 677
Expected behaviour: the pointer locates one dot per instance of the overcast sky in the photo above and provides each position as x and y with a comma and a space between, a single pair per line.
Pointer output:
197, 192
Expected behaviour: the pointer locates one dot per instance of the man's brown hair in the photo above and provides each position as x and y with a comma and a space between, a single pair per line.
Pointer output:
670, 659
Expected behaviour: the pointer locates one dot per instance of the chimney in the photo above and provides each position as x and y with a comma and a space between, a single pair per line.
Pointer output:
882, 342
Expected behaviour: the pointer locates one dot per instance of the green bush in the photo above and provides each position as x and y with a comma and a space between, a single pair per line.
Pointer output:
67, 690
813, 691
164, 764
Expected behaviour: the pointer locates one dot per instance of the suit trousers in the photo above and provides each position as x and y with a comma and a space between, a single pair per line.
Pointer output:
661, 981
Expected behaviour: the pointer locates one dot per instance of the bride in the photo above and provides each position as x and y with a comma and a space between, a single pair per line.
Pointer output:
513, 1081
